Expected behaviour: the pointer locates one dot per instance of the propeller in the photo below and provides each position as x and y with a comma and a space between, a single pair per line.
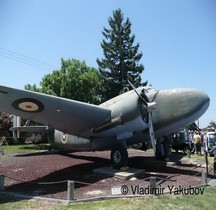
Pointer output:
150, 106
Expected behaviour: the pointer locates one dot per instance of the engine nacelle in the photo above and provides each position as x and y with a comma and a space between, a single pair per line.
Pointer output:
127, 117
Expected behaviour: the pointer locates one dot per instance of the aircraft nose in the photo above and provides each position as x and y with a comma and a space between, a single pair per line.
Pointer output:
180, 107
202, 98
194, 102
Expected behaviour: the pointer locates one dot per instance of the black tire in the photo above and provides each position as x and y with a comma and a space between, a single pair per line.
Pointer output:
119, 156
140, 146
137, 146
185, 149
192, 150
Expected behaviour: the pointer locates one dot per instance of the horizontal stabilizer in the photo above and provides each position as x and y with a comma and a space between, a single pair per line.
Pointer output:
31, 129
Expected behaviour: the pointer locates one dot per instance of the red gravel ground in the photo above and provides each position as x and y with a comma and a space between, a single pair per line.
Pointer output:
32, 174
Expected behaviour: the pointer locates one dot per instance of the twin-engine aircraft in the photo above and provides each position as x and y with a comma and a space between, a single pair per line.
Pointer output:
122, 121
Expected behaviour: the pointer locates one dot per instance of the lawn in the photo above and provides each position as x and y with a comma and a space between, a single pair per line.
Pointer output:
26, 148
170, 202
202, 158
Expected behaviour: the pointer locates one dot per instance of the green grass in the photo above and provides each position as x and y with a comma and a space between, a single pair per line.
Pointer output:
27, 148
202, 159
186, 202
10, 203
207, 201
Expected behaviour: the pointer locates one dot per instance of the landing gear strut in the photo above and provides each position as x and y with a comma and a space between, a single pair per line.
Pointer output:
119, 156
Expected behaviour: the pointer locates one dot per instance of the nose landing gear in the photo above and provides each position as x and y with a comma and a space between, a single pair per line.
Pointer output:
119, 156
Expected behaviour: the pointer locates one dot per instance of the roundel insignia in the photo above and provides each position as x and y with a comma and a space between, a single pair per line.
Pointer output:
28, 105
64, 138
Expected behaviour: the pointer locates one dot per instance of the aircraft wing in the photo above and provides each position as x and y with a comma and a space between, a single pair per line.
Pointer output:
70, 116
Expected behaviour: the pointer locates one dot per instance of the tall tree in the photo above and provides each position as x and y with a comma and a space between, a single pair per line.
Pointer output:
121, 56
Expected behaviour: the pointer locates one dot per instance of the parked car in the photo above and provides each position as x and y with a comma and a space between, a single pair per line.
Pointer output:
179, 142
211, 136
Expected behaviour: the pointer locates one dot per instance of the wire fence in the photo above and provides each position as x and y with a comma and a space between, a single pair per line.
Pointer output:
124, 189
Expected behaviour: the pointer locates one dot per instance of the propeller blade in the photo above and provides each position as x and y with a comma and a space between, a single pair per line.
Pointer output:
155, 96
137, 93
151, 133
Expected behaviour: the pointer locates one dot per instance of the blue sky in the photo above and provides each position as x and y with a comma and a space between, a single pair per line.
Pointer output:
177, 39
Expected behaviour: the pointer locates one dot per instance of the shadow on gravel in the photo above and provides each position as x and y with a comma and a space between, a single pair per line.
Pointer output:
80, 173
83, 172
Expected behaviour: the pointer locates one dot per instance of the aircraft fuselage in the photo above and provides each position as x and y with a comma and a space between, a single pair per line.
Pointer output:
176, 108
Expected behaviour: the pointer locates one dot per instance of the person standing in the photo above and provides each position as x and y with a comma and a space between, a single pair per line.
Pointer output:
197, 142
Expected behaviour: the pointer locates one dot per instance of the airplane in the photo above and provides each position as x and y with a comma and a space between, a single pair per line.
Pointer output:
114, 125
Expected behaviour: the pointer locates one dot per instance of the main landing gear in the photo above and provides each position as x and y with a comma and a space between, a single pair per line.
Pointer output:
119, 156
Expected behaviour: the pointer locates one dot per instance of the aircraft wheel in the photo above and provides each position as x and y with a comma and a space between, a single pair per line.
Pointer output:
192, 150
119, 156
